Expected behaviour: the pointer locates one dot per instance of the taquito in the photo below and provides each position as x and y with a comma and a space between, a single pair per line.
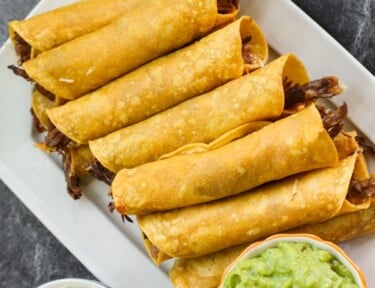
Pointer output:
92, 60
254, 97
291, 145
217, 58
50, 29
202, 229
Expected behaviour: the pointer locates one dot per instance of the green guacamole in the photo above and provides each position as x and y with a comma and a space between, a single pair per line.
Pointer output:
291, 264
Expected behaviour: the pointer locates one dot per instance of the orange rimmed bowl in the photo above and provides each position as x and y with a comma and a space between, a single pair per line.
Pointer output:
258, 248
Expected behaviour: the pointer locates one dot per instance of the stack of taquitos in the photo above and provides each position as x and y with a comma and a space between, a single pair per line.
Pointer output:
246, 43
206, 271
289, 146
254, 97
75, 68
217, 58
197, 230
292, 145
225, 54
48, 30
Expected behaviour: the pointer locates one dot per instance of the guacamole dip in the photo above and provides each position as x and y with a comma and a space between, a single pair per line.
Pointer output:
291, 264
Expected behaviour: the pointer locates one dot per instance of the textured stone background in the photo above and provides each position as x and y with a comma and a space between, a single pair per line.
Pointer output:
30, 255
350, 22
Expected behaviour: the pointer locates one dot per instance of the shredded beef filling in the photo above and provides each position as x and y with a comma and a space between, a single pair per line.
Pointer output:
19, 72
325, 87
22, 73
360, 190
72, 180
45, 92
23, 49
226, 6
56, 139
366, 148
98, 171
333, 119
248, 57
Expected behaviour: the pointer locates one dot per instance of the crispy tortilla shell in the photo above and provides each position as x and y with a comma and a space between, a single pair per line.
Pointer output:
276, 151
302, 199
50, 29
92, 60
39, 105
257, 96
160, 84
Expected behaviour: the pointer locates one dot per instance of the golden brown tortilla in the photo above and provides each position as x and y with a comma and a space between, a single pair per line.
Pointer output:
92, 60
50, 29
206, 228
162, 83
254, 97
292, 145
80, 156
208, 269
39, 106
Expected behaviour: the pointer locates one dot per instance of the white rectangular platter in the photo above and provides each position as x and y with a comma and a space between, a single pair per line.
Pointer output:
110, 249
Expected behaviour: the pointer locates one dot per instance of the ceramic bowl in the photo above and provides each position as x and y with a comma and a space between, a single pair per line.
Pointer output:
257, 248
73, 283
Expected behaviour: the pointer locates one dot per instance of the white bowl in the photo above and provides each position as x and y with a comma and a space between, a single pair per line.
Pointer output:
73, 283
258, 248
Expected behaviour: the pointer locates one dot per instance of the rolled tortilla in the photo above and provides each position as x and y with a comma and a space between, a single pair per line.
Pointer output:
299, 200
39, 106
75, 68
253, 97
48, 30
276, 151
164, 82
